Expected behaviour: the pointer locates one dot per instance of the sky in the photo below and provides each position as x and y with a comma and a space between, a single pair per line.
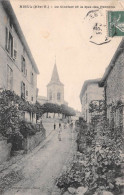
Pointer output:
65, 33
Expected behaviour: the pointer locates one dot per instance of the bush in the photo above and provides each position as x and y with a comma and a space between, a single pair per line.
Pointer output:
72, 177
10, 125
16, 140
27, 128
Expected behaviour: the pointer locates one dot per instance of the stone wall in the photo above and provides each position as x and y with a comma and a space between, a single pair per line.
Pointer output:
5, 150
115, 81
115, 91
32, 141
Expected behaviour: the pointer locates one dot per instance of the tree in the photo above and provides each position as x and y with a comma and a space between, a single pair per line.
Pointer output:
54, 108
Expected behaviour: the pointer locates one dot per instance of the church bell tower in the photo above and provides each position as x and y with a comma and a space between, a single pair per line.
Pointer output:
55, 89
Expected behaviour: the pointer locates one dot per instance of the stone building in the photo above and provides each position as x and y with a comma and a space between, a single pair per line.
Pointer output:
113, 82
55, 89
42, 100
90, 92
18, 70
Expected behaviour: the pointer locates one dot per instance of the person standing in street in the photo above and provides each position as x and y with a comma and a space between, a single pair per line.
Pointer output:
54, 126
59, 125
59, 135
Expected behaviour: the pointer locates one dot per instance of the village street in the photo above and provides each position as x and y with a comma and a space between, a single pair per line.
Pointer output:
40, 170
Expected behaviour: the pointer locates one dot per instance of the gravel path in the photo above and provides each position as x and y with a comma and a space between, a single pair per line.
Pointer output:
40, 170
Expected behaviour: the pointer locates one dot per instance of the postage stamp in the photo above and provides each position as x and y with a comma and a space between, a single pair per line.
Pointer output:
115, 23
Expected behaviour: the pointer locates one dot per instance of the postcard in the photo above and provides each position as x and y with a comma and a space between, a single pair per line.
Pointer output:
61, 97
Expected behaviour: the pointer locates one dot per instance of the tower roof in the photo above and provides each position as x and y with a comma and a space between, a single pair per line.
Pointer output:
55, 77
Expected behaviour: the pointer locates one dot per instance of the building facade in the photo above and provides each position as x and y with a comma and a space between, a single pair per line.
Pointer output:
18, 70
113, 82
55, 89
42, 100
90, 92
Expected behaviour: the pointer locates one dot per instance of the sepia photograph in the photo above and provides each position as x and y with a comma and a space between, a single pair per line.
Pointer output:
61, 97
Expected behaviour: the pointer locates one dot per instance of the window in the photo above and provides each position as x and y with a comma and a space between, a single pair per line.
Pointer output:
26, 92
10, 46
32, 98
9, 78
23, 66
15, 49
32, 78
9, 42
58, 96
7, 39
23, 90
15, 54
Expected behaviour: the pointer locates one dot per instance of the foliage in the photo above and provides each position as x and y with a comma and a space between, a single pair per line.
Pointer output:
16, 139
54, 108
11, 98
96, 106
100, 160
72, 177
39, 110
27, 128
8, 117
11, 126
67, 111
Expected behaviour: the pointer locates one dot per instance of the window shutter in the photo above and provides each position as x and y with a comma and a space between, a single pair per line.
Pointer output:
21, 63
14, 49
22, 90
7, 39
31, 78
26, 92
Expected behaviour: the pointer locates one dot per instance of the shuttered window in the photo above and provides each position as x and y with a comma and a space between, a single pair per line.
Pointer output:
22, 90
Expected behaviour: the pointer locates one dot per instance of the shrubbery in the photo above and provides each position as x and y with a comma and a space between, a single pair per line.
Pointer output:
100, 160
54, 108
27, 128
11, 126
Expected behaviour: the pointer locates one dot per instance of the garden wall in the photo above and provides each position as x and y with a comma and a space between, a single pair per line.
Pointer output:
5, 150
32, 141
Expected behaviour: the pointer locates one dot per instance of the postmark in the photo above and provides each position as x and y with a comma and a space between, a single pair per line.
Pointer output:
97, 26
115, 21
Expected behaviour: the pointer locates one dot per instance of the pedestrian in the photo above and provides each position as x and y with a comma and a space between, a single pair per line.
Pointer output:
59, 125
60, 128
59, 135
72, 125
54, 126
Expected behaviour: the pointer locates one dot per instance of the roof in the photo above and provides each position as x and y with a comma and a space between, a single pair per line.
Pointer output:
9, 10
112, 63
85, 85
55, 77
42, 98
